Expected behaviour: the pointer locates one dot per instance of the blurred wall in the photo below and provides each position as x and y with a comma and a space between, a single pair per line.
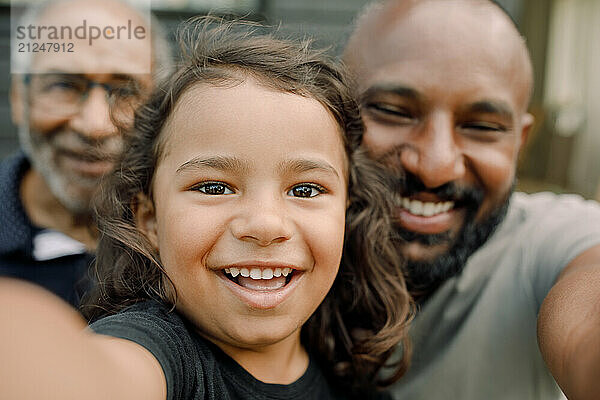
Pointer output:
572, 90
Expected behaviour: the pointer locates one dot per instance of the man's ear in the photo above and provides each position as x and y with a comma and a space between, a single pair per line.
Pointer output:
527, 122
145, 218
17, 98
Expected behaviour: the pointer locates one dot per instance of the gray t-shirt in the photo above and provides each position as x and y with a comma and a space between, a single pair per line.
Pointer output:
475, 338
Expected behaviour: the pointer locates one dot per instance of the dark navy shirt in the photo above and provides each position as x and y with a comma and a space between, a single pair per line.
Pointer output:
64, 274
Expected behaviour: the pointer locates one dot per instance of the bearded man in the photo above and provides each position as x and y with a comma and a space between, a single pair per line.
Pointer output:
444, 88
68, 106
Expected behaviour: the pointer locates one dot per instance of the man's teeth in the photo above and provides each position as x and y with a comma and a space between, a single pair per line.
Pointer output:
258, 273
426, 209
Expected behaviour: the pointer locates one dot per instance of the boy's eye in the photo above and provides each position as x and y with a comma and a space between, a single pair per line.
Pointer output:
214, 188
306, 190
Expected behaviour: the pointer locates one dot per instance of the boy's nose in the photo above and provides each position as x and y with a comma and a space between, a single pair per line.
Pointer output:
263, 223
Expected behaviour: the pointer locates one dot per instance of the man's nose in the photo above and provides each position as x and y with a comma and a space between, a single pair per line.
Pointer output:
93, 119
262, 221
435, 154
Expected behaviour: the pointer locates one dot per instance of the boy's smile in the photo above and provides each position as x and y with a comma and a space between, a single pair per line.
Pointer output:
249, 211
262, 285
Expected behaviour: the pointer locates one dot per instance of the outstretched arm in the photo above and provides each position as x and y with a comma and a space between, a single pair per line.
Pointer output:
569, 327
47, 353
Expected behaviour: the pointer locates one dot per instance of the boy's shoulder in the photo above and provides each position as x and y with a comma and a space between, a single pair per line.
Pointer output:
163, 332
148, 311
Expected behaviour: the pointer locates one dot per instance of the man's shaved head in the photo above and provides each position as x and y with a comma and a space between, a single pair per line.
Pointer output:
444, 87
418, 22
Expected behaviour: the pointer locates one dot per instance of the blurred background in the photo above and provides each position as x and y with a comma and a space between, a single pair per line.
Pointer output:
561, 154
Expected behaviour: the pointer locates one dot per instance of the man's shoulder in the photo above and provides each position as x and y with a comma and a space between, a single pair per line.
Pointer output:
535, 218
550, 209
548, 199
15, 230
540, 235
13, 167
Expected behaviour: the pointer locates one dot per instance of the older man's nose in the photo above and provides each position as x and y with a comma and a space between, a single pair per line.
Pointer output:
93, 118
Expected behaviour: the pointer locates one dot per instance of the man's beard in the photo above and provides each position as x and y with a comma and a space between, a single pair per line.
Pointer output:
423, 277
72, 190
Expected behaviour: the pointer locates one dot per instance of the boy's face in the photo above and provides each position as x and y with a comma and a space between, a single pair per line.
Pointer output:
252, 181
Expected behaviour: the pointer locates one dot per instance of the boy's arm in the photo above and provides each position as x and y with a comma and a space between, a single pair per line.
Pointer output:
48, 354
569, 327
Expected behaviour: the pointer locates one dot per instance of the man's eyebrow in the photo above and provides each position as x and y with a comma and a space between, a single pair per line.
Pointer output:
222, 163
59, 73
304, 165
395, 89
490, 107
125, 77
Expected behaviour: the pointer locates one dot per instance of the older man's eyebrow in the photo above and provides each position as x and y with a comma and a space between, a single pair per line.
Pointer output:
499, 108
223, 163
393, 89
304, 165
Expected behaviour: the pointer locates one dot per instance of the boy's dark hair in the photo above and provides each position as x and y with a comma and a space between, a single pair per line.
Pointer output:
365, 315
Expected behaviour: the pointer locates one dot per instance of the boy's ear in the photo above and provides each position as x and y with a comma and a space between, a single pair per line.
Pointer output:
145, 218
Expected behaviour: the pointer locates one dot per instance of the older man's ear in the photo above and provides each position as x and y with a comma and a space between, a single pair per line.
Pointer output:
17, 97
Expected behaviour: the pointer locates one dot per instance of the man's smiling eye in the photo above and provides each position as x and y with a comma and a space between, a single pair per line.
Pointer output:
306, 190
213, 188
388, 110
484, 126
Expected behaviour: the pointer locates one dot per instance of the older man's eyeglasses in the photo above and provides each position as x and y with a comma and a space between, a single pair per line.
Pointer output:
64, 94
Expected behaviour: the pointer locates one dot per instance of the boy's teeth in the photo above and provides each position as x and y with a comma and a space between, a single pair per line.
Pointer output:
257, 273
267, 273
426, 209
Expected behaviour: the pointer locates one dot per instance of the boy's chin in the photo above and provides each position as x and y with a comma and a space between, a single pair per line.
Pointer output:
260, 334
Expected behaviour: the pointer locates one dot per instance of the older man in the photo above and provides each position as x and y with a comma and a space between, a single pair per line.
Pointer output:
445, 87
67, 102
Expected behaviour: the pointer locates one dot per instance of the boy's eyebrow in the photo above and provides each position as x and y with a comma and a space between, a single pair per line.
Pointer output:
235, 164
303, 165
216, 162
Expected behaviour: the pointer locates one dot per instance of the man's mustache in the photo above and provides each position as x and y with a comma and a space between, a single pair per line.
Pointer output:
106, 149
409, 185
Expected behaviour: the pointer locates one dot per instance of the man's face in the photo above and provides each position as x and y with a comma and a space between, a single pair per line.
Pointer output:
443, 107
63, 109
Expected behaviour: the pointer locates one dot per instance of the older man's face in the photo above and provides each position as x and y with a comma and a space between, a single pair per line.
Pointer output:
65, 122
443, 100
